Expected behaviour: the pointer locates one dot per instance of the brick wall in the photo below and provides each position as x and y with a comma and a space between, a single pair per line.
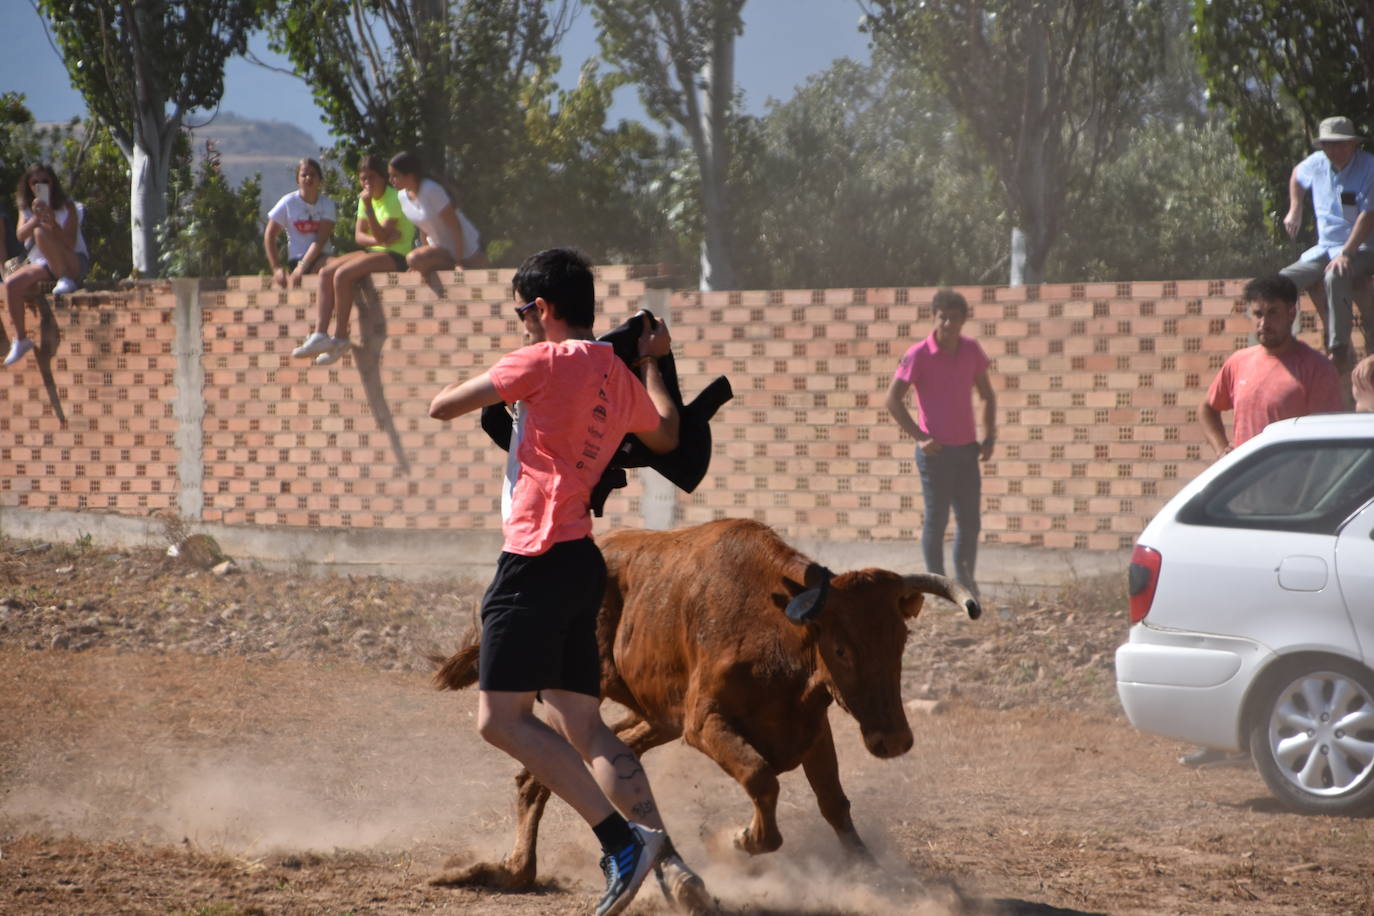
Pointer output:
1097, 388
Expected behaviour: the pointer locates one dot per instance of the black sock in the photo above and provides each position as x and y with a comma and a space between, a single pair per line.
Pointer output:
613, 833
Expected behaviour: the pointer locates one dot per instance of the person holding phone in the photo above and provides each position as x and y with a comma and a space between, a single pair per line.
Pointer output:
50, 229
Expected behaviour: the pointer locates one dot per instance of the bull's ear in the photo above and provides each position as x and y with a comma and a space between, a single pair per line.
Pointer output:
808, 605
911, 604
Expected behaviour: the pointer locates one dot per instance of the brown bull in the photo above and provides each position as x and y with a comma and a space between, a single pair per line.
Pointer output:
725, 636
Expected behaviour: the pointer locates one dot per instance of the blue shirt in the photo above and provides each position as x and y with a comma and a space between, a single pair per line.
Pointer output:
1338, 198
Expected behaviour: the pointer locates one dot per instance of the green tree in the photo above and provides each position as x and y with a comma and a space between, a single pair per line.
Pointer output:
681, 54
859, 180
444, 80
1195, 211
142, 66
1276, 69
580, 183
532, 164
1043, 90
211, 230
15, 125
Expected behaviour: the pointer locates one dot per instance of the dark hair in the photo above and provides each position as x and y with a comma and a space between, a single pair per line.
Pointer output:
407, 163
562, 277
23, 194
319, 170
372, 163
947, 300
1273, 286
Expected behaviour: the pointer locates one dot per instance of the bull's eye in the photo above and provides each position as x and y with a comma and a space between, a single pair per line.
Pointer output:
839, 651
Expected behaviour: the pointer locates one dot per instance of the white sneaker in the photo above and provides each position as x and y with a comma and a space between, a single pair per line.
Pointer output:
314, 345
64, 286
17, 350
338, 347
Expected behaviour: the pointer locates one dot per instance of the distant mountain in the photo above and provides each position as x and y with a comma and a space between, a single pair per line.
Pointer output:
270, 148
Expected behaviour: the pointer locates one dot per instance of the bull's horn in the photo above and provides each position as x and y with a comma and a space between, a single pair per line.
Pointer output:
946, 588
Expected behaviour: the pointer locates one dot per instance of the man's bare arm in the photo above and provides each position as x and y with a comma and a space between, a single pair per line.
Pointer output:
464, 397
1212, 429
1292, 220
984, 385
896, 405
654, 343
665, 438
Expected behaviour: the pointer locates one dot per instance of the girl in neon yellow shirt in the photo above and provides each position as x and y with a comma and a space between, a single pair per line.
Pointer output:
384, 237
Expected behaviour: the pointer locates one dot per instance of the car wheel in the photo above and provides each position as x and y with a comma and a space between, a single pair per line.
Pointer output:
1312, 737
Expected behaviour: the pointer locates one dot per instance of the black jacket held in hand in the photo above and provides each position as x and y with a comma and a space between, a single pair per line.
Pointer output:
684, 466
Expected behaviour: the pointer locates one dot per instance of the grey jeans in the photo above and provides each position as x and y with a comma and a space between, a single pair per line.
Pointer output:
1339, 293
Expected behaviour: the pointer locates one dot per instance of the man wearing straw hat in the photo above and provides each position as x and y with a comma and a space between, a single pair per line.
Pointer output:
1341, 178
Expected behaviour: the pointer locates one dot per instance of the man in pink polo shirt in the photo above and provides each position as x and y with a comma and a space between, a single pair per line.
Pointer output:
575, 400
1278, 378
945, 369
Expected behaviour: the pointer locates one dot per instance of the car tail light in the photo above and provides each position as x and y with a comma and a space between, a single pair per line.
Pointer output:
1142, 579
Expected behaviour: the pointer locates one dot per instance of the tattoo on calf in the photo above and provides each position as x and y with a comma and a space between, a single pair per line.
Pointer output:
641, 809
626, 766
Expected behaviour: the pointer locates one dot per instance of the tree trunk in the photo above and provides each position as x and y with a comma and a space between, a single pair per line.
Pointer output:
717, 97
1018, 258
1037, 252
1036, 184
150, 149
147, 206
432, 56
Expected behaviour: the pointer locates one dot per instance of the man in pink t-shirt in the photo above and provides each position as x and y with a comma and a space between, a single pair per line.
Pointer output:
1278, 378
574, 400
945, 369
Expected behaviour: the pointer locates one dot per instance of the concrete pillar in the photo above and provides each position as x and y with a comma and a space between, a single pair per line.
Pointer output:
190, 398
659, 502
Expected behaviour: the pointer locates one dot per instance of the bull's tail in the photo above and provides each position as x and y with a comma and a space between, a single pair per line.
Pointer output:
459, 670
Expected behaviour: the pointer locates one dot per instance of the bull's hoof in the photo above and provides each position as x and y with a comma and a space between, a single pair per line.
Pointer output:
745, 841
683, 888
484, 874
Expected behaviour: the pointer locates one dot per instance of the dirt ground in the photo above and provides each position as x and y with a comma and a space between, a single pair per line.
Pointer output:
179, 742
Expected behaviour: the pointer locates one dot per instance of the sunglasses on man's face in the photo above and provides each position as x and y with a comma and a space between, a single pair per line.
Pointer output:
522, 310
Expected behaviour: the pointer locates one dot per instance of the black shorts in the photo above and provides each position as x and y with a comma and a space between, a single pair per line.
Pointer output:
539, 621
314, 268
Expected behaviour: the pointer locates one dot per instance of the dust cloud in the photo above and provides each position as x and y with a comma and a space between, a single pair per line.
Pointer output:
291, 759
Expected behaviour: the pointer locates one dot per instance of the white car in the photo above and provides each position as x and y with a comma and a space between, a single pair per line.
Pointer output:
1252, 612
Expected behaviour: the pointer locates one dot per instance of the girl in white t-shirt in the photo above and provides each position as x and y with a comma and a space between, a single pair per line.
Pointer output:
50, 227
307, 218
447, 238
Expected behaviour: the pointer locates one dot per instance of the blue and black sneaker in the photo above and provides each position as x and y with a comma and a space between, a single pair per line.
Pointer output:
626, 869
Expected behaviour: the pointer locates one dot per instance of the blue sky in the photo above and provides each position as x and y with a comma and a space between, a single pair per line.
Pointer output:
784, 41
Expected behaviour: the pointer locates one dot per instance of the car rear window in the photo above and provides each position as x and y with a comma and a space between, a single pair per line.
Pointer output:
1309, 486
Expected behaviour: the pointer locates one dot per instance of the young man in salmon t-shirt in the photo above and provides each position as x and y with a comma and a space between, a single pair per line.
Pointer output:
1277, 379
574, 401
